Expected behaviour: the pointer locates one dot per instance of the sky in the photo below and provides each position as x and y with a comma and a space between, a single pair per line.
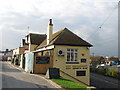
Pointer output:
96, 21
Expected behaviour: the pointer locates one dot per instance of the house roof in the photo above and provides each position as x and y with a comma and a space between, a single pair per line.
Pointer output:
97, 58
37, 38
65, 37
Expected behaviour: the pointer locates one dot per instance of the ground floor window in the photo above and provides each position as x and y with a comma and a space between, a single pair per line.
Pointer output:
80, 73
72, 55
42, 60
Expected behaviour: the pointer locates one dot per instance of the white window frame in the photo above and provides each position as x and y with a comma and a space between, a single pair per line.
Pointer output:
74, 57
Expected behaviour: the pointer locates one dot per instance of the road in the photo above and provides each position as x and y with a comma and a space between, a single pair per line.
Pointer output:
103, 82
14, 78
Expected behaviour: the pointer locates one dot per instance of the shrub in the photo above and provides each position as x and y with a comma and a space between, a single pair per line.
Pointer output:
92, 69
113, 73
101, 71
118, 74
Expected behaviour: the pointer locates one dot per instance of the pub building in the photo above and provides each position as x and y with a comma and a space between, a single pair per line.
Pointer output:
64, 50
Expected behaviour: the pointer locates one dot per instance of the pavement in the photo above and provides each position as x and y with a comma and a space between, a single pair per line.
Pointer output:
13, 77
103, 82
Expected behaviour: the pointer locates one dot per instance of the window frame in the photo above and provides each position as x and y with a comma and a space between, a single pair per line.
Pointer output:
71, 51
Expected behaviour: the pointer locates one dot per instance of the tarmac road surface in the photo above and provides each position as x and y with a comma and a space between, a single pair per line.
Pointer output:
103, 82
14, 78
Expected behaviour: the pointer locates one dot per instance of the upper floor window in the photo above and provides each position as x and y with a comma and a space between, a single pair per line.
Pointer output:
72, 55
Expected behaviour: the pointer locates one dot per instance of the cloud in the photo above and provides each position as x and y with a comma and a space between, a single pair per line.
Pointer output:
81, 17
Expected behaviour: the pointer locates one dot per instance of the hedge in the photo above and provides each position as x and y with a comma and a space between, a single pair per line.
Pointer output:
111, 73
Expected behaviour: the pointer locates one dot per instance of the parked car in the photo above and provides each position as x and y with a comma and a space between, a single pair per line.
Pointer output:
100, 66
118, 66
114, 63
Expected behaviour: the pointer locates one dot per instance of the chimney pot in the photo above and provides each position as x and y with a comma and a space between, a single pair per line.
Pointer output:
50, 22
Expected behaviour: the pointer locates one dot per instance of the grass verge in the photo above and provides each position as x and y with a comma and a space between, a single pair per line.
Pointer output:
68, 84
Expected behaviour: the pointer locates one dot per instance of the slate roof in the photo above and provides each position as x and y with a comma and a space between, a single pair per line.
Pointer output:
37, 39
65, 37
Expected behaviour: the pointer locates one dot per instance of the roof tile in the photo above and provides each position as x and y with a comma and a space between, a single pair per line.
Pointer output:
65, 37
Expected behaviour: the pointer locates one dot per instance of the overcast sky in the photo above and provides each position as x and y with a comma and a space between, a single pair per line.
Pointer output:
83, 17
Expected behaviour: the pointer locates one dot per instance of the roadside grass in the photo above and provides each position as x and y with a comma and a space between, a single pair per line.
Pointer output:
68, 84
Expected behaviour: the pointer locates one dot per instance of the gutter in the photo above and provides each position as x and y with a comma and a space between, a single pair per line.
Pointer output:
44, 49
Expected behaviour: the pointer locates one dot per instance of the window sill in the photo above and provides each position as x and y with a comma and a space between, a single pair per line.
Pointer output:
72, 62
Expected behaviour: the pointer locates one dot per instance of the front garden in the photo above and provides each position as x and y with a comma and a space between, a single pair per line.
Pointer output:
68, 84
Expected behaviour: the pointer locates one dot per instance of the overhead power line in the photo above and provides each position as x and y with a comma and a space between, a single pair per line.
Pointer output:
108, 17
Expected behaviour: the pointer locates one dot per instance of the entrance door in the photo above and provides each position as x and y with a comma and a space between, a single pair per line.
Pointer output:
42, 65
23, 61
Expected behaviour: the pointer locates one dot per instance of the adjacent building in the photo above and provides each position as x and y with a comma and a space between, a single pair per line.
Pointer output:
32, 40
16, 57
6, 55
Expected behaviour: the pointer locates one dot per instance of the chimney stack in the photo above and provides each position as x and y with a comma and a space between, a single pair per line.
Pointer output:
49, 31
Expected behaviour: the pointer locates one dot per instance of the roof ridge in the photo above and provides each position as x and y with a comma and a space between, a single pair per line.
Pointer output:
61, 37
35, 34
52, 36
76, 35
63, 30
58, 34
